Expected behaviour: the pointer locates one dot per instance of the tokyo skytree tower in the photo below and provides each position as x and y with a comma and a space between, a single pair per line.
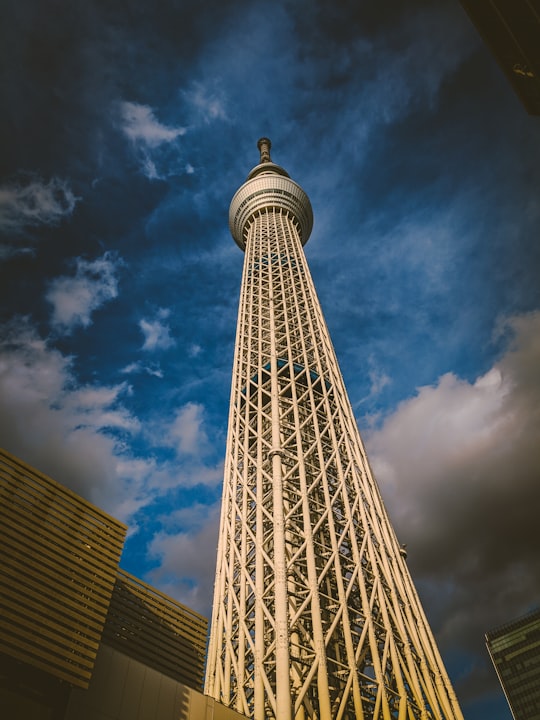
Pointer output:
315, 614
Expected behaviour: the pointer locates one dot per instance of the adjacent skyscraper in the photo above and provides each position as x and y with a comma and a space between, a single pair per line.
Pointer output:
514, 649
315, 614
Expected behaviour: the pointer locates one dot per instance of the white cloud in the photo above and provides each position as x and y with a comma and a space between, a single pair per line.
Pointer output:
34, 203
141, 126
157, 335
62, 429
155, 144
378, 380
459, 466
74, 298
149, 167
137, 367
187, 431
98, 408
81, 436
209, 104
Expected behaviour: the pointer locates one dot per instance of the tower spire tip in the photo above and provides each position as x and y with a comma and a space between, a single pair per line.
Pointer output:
264, 145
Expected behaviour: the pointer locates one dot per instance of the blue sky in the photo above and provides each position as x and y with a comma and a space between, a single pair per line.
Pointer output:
126, 129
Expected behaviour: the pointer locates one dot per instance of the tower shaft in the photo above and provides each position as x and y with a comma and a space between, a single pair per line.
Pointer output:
315, 614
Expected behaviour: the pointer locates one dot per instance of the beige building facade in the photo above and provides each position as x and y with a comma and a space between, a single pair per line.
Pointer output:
81, 639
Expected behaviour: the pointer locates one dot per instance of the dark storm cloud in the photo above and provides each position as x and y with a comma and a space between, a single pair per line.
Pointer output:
459, 466
182, 572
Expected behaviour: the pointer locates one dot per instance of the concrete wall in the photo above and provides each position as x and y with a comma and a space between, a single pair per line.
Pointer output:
124, 689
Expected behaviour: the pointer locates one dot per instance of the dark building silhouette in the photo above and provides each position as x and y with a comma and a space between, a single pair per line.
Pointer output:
81, 639
515, 652
511, 30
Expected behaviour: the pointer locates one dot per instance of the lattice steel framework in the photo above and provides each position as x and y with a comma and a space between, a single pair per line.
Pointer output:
315, 614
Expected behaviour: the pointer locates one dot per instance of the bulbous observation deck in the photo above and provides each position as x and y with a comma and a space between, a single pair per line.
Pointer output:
268, 186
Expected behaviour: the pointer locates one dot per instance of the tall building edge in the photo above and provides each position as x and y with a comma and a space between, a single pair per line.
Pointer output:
315, 614
514, 649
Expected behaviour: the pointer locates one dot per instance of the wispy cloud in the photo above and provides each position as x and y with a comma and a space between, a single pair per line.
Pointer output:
187, 432
209, 104
413, 71
137, 367
194, 350
141, 126
100, 408
74, 298
32, 202
157, 334
35, 202
154, 143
